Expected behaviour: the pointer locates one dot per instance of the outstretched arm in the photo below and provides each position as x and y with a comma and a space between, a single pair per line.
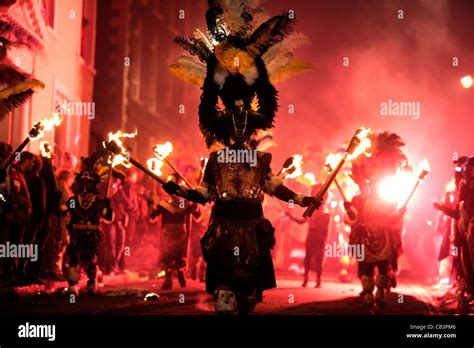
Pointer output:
274, 186
199, 194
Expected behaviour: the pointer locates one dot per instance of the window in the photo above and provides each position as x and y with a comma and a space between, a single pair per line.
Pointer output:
47, 11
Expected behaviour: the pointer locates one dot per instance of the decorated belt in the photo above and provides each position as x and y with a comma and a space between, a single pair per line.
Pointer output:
238, 210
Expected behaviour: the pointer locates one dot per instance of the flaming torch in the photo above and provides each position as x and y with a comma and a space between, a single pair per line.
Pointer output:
45, 149
291, 167
424, 170
161, 152
36, 132
358, 145
115, 146
120, 156
339, 188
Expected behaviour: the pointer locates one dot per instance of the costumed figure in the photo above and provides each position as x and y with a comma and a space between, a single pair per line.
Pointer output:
318, 230
86, 209
241, 56
453, 240
174, 235
375, 222
464, 238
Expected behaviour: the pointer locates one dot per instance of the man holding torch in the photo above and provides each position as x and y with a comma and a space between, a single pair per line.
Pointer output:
373, 219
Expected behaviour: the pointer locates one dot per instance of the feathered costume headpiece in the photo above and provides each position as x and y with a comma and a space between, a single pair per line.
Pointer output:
240, 57
385, 160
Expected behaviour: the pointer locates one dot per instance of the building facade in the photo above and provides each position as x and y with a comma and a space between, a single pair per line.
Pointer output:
57, 46
134, 89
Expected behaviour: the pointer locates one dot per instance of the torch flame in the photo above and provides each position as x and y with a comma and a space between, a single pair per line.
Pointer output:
425, 166
154, 164
333, 159
364, 144
123, 157
163, 150
44, 126
295, 170
45, 149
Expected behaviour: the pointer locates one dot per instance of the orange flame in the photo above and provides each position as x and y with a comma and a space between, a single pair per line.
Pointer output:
365, 144
155, 165
46, 125
163, 150
45, 149
333, 159
122, 158
295, 169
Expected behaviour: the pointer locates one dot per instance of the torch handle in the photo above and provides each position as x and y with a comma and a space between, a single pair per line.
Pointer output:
412, 193
339, 188
178, 173
146, 171
109, 179
310, 210
10, 158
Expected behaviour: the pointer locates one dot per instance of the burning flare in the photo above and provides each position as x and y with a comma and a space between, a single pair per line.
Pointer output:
397, 188
400, 187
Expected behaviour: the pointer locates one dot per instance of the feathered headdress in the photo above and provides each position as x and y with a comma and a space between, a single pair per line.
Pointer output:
241, 56
385, 160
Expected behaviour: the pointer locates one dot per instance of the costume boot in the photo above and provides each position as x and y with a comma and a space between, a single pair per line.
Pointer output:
368, 288
168, 284
72, 276
181, 279
382, 282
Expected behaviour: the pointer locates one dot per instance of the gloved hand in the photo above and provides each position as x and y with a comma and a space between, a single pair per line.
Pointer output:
310, 200
171, 187
3, 175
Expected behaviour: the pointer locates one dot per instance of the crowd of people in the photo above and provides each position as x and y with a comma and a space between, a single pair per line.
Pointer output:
38, 209
109, 229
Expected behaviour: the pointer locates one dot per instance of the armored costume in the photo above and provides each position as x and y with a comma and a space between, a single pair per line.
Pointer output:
375, 222
86, 209
240, 58
174, 237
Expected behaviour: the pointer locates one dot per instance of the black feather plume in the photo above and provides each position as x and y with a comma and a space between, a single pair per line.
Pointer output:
195, 47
